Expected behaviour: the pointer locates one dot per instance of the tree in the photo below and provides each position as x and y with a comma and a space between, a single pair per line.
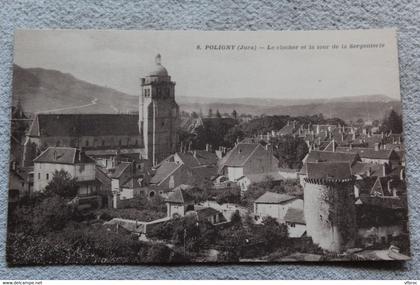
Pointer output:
274, 233
234, 114
194, 115
62, 184
235, 133
210, 113
392, 123
218, 114
236, 218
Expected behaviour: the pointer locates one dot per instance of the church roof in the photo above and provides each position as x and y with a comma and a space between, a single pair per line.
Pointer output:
77, 125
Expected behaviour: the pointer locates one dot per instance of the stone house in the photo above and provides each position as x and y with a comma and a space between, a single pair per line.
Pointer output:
248, 158
275, 205
71, 160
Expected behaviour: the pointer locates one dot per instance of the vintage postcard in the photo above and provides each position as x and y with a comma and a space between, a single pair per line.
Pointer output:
132, 147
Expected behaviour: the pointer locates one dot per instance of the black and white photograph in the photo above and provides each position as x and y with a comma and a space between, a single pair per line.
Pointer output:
179, 147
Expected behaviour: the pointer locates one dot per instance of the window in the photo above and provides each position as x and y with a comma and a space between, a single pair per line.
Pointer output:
47, 176
39, 176
292, 225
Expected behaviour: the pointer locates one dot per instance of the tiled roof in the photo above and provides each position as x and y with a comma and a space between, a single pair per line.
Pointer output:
273, 198
296, 216
336, 170
119, 169
367, 152
77, 125
164, 170
206, 213
175, 196
329, 156
362, 168
63, 155
260, 177
131, 183
365, 185
197, 158
204, 172
239, 155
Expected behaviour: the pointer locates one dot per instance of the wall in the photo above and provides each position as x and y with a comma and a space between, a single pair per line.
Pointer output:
234, 173
295, 230
42, 169
173, 209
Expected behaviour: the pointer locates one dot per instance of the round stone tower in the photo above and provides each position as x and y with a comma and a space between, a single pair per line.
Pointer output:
329, 209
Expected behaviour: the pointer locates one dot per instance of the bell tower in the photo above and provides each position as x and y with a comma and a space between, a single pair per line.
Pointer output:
158, 114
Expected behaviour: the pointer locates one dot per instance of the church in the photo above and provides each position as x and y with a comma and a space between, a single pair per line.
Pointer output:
149, 136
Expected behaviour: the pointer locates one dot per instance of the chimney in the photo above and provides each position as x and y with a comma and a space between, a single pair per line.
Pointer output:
369, 172
294, 124
181, 148
317, 129
55, 155
207, 147
376, 146
288, 123
351, 147
333, 145
195, 153
402, 174
384, 169
80, 155
354, 136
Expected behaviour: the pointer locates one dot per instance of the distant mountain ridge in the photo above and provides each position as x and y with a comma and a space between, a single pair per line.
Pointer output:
46, 90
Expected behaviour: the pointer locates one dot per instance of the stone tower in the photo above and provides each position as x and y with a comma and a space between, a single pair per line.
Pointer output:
158, 114
329, 209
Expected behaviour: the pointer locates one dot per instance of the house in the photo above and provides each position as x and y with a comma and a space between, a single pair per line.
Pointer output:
248, 158
275, 205
210, 215
71, 160
245, 181
295, 221
227, 209
374, 155
178, 203
190, 168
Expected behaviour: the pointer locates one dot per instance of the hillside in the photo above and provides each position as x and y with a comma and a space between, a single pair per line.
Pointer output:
44, 90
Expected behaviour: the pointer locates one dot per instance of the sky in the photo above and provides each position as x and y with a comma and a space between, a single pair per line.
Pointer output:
118, 59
